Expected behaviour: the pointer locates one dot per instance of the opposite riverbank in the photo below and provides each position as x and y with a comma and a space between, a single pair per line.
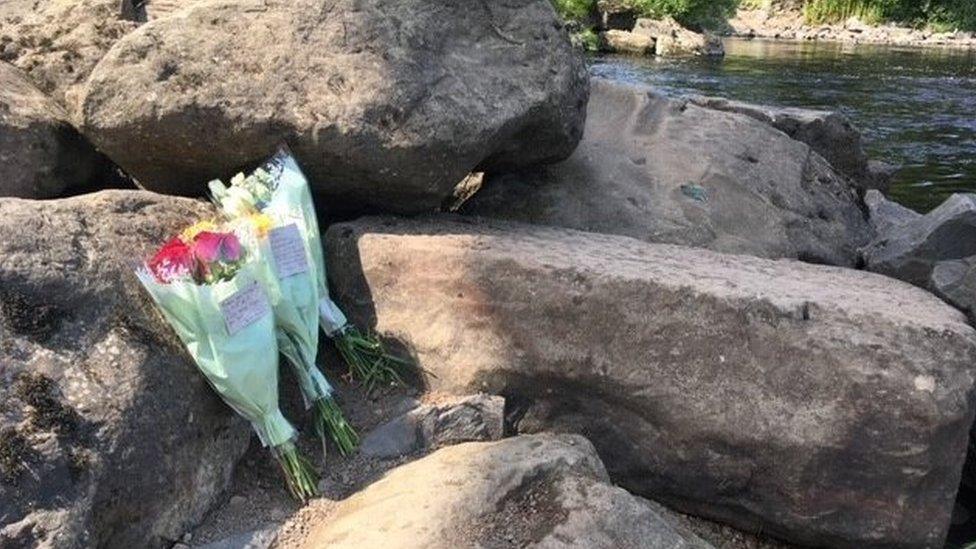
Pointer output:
791, 24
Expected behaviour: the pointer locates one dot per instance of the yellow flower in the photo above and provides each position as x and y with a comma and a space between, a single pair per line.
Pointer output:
261, 223
192, 231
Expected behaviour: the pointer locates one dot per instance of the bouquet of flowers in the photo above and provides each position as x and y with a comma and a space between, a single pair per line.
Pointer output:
279, 187
209, 290
278, 245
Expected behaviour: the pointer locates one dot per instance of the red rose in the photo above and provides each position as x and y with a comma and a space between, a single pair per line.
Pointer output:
174, 260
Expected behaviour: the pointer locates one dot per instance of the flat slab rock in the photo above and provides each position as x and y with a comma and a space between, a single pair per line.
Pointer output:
820, 405
667, 170
541, 491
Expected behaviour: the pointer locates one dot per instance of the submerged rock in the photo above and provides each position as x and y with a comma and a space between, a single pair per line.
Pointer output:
530, 491
387, 105
664, 170
109, 437
41, 154
910, 249
821, 405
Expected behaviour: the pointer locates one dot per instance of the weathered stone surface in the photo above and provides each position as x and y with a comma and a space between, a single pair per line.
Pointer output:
955, 282
619, 41
530, 491
58, 42
672, 39
386, 104
41, 154
111, 438
257, 539
829, 133
887, 216
465, 419
822, 405
667, 171
881, 175
909, 252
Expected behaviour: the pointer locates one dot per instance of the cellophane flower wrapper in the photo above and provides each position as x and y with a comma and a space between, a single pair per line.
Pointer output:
242, 367
289, 278
286, 193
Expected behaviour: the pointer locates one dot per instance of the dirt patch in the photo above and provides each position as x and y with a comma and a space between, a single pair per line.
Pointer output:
258, 499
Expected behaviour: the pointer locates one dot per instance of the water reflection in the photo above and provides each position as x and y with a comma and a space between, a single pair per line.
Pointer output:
916, 107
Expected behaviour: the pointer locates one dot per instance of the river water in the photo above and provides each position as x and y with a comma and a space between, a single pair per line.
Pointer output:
916, 107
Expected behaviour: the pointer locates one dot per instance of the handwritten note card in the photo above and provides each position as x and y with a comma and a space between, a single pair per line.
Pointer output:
244, 308
288, 250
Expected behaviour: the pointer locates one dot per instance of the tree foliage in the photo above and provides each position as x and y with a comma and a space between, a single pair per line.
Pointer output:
692, 13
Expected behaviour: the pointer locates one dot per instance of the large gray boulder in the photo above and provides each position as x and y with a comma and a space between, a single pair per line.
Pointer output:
386, 104
829, 133
41, 154
58, 42
908, 251
543, 491
825, 406
665, 170
109, 437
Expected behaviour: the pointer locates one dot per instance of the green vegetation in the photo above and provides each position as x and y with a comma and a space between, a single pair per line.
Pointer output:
832, 11
575, 10
938, 14
691, 13
587, 39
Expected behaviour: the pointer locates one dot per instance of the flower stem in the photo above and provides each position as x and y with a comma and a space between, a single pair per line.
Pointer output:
368, 359
299, 475
329, 420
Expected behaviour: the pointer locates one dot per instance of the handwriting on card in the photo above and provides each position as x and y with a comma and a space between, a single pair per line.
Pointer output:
288, 250
247, 306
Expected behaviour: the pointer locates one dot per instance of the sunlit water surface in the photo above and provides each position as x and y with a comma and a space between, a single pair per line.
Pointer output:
916, 107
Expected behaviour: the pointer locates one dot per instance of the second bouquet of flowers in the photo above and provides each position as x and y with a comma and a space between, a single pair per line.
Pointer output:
279, 188
287, 272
